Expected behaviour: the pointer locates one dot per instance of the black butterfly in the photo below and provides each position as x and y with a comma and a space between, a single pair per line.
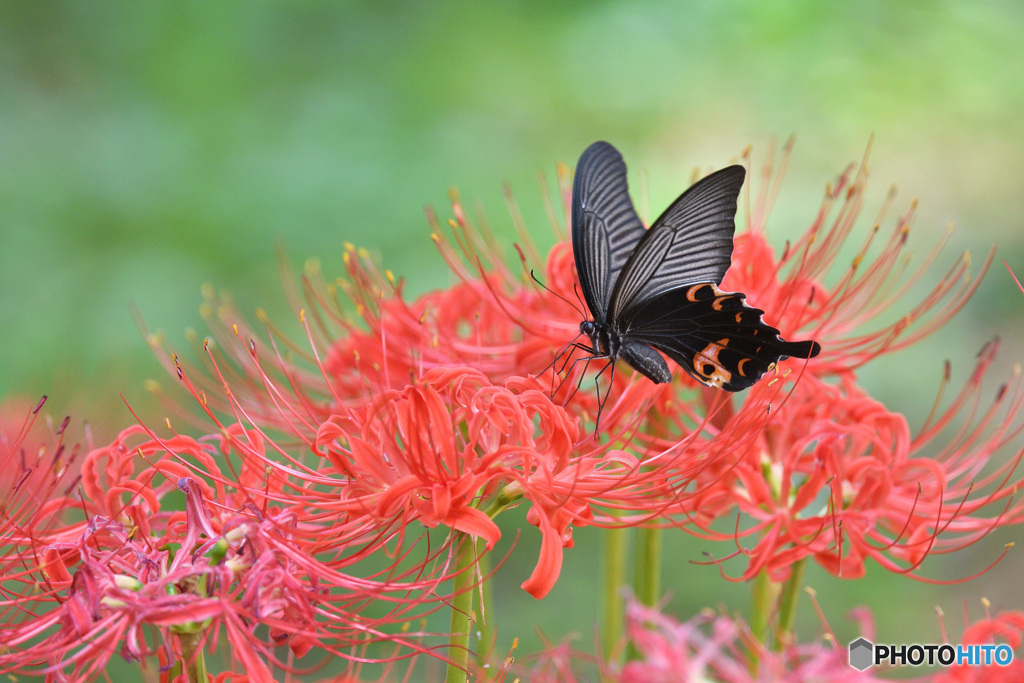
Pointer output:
658, 288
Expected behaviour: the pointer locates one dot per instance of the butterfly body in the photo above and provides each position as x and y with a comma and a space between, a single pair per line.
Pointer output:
656, 290
613, 343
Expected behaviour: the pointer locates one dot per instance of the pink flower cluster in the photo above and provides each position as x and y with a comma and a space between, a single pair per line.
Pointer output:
717, 647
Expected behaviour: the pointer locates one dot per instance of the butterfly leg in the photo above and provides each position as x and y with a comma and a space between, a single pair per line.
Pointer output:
549, 366
592, 354
572, 344
597, 389
586, 365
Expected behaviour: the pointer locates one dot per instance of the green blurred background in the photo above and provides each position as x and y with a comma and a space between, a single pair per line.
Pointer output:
147, 149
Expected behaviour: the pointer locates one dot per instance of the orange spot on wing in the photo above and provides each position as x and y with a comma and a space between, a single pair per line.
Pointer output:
692, 294
707, 365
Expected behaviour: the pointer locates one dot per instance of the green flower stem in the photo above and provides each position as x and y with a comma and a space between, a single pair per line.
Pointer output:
787, 604
192, 655
616, 541
486, 618
462, 610
763, 593
648, 571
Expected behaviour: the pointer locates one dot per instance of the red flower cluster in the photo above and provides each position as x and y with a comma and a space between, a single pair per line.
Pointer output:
125, 569
298, 517
836, 475
1002, 628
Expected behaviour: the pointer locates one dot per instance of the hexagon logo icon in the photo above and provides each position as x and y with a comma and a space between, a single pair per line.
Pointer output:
861, 654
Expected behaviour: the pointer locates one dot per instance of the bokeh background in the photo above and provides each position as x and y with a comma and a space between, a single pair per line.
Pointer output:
148, 149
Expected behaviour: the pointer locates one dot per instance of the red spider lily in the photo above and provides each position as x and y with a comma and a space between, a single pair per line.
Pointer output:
441, 449
481, 322
497, 320
841, 314
453, 449
323, 455
141, 577
1005, 627
805, 482
138, 577
791, 289
445, 449
838, 477
383, 477
37, 470
450, 446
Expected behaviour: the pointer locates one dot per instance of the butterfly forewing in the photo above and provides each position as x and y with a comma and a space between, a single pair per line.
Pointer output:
605, 227
691, 242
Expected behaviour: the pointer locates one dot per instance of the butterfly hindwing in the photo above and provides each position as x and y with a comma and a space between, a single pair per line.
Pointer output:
605, 227
713, 335
691, 242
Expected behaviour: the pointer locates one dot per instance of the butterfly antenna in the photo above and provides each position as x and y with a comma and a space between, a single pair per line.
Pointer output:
557, 295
